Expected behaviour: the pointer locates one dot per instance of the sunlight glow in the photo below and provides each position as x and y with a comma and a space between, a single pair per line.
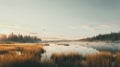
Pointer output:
5, 31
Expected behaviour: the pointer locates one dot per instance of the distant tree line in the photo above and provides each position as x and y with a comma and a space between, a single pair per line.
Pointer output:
104, 37
18, 38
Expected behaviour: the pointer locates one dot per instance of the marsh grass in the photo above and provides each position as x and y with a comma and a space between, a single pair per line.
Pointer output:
20, 55
11, 60
30, 56
102, 59
117, 59
67, 60
47, 63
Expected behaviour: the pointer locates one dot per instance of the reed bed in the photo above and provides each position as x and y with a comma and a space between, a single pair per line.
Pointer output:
67, 60
20, 55
30, 56
102, 59
117, 59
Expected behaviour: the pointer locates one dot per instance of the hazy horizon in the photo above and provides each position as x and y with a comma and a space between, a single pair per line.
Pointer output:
60, 18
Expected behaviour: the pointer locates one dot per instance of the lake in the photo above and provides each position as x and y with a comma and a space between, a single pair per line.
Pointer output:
83, 48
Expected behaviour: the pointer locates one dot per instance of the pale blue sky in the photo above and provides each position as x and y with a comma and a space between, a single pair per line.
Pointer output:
61, 18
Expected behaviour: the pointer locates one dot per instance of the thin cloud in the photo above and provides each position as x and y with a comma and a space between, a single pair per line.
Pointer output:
73, 27
32, 33
15, 28
89, 27
83, 27
7, 26
105, 26
95, 28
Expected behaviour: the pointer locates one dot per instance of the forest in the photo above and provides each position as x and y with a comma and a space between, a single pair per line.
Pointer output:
18, 38
113, 36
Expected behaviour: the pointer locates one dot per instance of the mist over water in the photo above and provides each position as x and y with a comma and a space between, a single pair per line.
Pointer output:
83, 48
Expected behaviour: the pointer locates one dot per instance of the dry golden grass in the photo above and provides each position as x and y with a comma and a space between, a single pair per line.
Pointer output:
8, 60
102, 59
117, 59
30, 56
20, 47
67, 60
65, 57
47, 63
16, 54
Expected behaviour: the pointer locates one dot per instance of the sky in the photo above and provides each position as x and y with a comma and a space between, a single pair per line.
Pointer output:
60, 18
